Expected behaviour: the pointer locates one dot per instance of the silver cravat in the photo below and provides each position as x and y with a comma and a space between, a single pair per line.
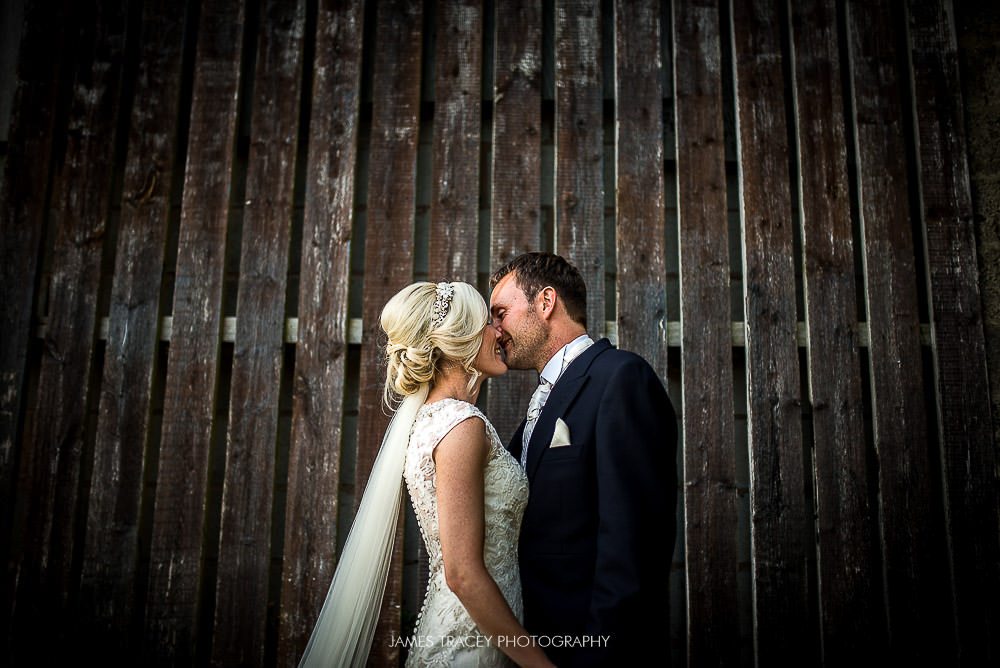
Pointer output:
538, 398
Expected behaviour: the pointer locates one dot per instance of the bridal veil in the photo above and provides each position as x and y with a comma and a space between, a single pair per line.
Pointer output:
346, 626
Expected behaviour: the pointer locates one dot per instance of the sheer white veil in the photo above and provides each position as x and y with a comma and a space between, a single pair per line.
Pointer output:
346, 626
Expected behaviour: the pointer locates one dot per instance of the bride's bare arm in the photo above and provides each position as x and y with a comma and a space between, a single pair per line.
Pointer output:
460, 459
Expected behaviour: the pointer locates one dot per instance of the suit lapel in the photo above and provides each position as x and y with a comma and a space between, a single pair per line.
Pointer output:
563, 392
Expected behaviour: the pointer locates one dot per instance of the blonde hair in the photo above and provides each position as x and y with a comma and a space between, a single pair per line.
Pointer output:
418, 344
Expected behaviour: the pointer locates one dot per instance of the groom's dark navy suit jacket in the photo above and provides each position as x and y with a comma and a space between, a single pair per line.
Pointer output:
598, 532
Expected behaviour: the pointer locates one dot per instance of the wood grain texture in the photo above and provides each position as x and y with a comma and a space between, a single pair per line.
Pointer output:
50, 474
579, 205
968, 453
22, 214
515, 225
710, 494
241, 594
311, 508
454, 231
389, 239
851, 622
899, 420
639, 204
177, 548
779, 532
23, 198
108, 587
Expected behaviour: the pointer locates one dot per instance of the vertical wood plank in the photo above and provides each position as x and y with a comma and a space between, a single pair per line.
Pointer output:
968, 453
579, 205
975, 26
241, 598
389, 242
851, 622
50, 475
639, 198
454, 232
899, 422
320, 355
177, 549
22, 226
782, 629
23, 195
710, 495
515, 225
108, 584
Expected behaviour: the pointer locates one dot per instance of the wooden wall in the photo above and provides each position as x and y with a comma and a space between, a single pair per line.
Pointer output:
206, 204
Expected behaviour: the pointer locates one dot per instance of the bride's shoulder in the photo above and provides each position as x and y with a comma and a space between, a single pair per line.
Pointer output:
448, 412
449, 405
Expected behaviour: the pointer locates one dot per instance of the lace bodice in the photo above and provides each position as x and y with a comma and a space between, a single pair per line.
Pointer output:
445, 635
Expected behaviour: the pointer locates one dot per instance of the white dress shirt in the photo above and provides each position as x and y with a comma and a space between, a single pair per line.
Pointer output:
554, 368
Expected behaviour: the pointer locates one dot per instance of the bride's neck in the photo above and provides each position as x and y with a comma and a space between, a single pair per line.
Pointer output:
453, 383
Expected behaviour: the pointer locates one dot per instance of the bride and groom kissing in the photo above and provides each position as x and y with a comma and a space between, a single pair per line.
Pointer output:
549, 551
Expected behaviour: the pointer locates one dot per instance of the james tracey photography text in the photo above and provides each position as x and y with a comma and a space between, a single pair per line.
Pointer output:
479, 640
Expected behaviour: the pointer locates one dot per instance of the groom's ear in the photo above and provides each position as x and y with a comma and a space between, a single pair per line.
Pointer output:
546, 301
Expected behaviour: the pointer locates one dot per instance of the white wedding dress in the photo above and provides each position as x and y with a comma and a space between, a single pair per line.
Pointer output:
445, 635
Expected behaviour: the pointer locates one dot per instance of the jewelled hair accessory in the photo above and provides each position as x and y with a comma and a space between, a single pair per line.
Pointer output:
442, 304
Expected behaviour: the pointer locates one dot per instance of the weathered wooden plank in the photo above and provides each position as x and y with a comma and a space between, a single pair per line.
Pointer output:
388, 252
975, 27
176, 551
42, 70
454, 230
899, 422
50, 476
710, 495
779, 532
639, 203
579, 135
111, 551
850, 619
320, 355
515, 225
969, 456
241, 594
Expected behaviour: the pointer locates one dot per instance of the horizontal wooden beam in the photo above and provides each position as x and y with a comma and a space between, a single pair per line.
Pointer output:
611, 327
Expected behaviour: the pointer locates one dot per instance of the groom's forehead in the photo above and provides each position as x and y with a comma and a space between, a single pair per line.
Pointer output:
505, 292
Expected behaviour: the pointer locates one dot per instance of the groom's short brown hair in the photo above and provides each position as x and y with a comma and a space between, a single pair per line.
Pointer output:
536, 270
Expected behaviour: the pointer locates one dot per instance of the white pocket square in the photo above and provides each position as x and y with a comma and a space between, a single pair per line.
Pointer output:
560, 437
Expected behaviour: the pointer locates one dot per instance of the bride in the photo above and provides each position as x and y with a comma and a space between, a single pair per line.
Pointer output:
468, 493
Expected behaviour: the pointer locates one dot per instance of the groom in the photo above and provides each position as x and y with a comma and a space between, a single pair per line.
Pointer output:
598, 446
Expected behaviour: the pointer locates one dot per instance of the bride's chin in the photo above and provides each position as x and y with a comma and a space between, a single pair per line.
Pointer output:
500, 370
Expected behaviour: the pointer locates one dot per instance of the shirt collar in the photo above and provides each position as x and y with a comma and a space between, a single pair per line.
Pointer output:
555, 366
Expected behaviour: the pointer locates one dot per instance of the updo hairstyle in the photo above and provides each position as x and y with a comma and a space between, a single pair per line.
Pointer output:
417, 348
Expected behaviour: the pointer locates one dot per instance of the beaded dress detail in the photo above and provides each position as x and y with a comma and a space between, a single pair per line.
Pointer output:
445, 635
